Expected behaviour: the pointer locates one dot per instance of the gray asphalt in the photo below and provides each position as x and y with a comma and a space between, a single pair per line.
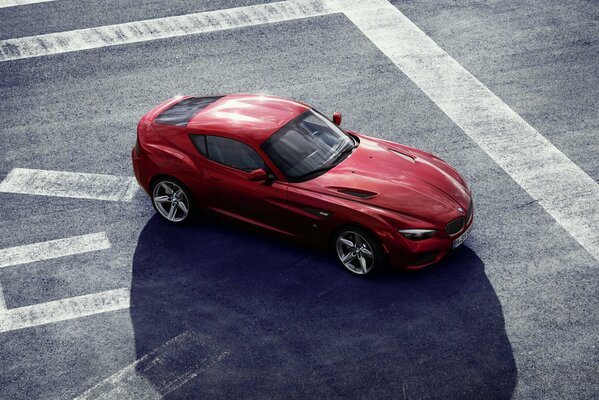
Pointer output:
67, 15
512, 315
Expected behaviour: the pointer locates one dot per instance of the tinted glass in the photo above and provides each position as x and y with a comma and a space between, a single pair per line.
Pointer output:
233, 153
179, 114
306, 144
199, 141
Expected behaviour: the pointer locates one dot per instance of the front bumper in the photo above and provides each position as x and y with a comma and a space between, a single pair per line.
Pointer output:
403, 253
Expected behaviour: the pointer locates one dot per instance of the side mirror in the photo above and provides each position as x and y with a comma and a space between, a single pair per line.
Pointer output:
258, 175
337, 118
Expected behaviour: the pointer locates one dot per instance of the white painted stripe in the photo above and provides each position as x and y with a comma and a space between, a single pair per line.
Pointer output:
139, 31
160, 372
566, 192
53, 249
69, 184
128, 384
64, 309
12, 3
2, 300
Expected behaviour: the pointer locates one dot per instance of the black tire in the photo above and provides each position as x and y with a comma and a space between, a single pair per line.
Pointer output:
167, 192
362, 252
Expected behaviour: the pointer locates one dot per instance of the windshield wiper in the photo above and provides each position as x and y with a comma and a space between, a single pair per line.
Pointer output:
340, 156
313, 172
329, 166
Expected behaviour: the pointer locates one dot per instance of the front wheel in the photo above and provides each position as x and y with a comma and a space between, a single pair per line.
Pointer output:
172, 200
359, 252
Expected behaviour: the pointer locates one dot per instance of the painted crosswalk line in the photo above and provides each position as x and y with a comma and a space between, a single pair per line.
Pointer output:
566, 192
69, 184
14, 3
160, 372
62, 184
53, 249
2, 300
159, 28
64, 309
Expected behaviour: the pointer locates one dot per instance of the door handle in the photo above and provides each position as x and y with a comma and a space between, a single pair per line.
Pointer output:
215, 178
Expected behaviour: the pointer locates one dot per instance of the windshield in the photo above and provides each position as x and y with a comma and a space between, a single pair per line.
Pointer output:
308, 145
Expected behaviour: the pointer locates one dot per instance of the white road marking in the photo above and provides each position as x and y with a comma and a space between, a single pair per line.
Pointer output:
64, 309
69, 184
53, 249
2, 301
160, 372
12, 3
566, 192
139, 31
128, 384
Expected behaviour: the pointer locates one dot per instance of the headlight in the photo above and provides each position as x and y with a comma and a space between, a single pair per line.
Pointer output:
417, 234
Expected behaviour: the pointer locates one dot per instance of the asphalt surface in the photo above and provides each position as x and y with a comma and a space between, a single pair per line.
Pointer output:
513, 314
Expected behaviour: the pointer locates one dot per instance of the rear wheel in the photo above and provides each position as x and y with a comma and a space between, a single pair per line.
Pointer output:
172, 200
359, 251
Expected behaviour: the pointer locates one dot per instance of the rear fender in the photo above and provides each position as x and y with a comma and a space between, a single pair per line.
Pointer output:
172, 156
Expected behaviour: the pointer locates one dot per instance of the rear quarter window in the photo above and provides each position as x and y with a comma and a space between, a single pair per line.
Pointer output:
199, 141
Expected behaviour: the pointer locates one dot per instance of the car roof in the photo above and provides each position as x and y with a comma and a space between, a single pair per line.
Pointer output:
254, 117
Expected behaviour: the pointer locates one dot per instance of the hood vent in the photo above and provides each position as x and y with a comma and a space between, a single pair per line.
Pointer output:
403, 155
362, 194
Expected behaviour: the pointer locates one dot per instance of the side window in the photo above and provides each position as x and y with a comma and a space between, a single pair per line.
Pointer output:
199, 141
233, 153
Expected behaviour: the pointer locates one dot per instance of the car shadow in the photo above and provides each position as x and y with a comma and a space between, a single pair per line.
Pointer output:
273, 319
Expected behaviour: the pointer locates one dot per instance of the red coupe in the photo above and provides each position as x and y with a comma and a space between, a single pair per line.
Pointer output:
283, 166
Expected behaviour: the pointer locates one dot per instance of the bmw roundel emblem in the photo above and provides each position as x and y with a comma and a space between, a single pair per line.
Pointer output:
460, 209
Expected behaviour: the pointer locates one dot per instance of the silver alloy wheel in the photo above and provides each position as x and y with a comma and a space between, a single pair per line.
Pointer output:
355, 252
170, 201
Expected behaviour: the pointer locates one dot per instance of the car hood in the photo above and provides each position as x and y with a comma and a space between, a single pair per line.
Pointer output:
397, 178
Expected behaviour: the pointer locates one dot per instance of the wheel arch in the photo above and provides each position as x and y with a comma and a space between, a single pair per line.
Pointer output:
380, 261
335, 232
158, 176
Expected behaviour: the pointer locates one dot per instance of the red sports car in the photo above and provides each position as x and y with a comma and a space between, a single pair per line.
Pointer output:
283, 166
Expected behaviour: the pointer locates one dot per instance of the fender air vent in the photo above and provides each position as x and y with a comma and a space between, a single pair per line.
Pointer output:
362, 194
317, 212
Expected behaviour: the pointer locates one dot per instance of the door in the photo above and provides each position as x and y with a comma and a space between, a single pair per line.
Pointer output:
226, 172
